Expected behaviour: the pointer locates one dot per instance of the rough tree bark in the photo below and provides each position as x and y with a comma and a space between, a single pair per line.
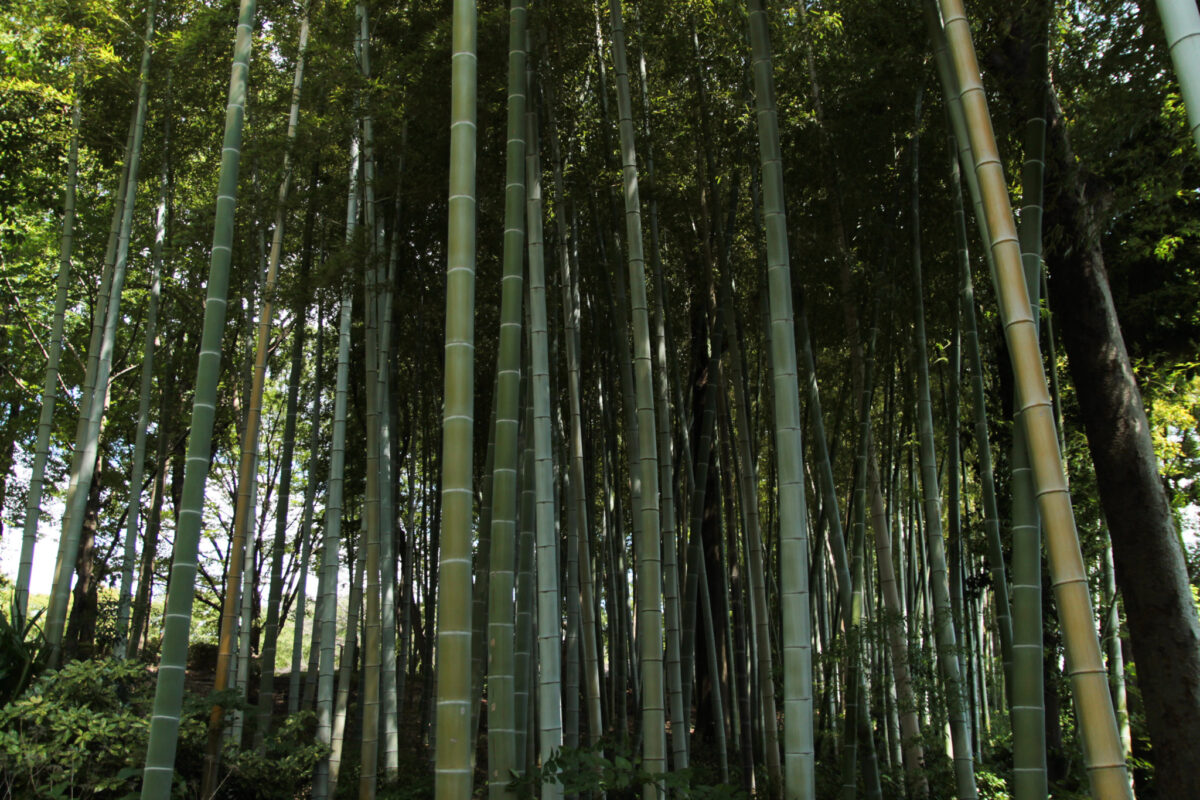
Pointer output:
1150, 566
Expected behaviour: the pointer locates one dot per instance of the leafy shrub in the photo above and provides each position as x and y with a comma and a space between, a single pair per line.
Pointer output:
282, 769
77, 732
81, 732
587, 769
23, 653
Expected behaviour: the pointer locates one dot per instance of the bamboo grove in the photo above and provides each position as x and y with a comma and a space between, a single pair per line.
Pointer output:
728, 401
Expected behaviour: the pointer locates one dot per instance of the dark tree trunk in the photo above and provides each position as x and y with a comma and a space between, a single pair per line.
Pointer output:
8, 447
81, 624
1150, 566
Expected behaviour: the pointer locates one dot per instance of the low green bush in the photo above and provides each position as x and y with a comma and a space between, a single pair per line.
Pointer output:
81, 732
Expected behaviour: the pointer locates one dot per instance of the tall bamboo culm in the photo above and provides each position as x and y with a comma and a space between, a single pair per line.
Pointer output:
1030, 777
648, 547
548, 615
266, 693
945, 636
799, 780
83, 464
168, 697
37, 477
503, 757
1181, 24
1102, 745
452, 759
325, 775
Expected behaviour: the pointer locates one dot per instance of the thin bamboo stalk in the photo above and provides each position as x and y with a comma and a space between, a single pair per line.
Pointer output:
84, 465
503, 755
37, 476
168, 697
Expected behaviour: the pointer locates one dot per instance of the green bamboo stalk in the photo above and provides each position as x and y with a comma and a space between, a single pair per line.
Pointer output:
141, 603
324, 778
944, 629
1030, 778
799, 768
748, 486
99, 315
120, 648
664, 377
648, 545
855, 685
369, 697
168, 698
549, 616
454, 745
483, 558
267, 654
244, 623
247, 477
37, 477
503, 756
1116, 657
1104, 754
56, 613
983, 449
704, 451
1181, 24
306, 529
525, 591
571, 314
389, 700
346, 670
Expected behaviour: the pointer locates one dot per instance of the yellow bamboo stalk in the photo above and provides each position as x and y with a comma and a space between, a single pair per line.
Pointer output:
1097, 722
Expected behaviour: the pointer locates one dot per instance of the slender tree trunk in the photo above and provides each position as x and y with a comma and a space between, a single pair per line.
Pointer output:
306, 531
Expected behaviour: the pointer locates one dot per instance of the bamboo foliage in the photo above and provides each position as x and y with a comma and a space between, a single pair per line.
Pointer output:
168, 696
1102, 747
